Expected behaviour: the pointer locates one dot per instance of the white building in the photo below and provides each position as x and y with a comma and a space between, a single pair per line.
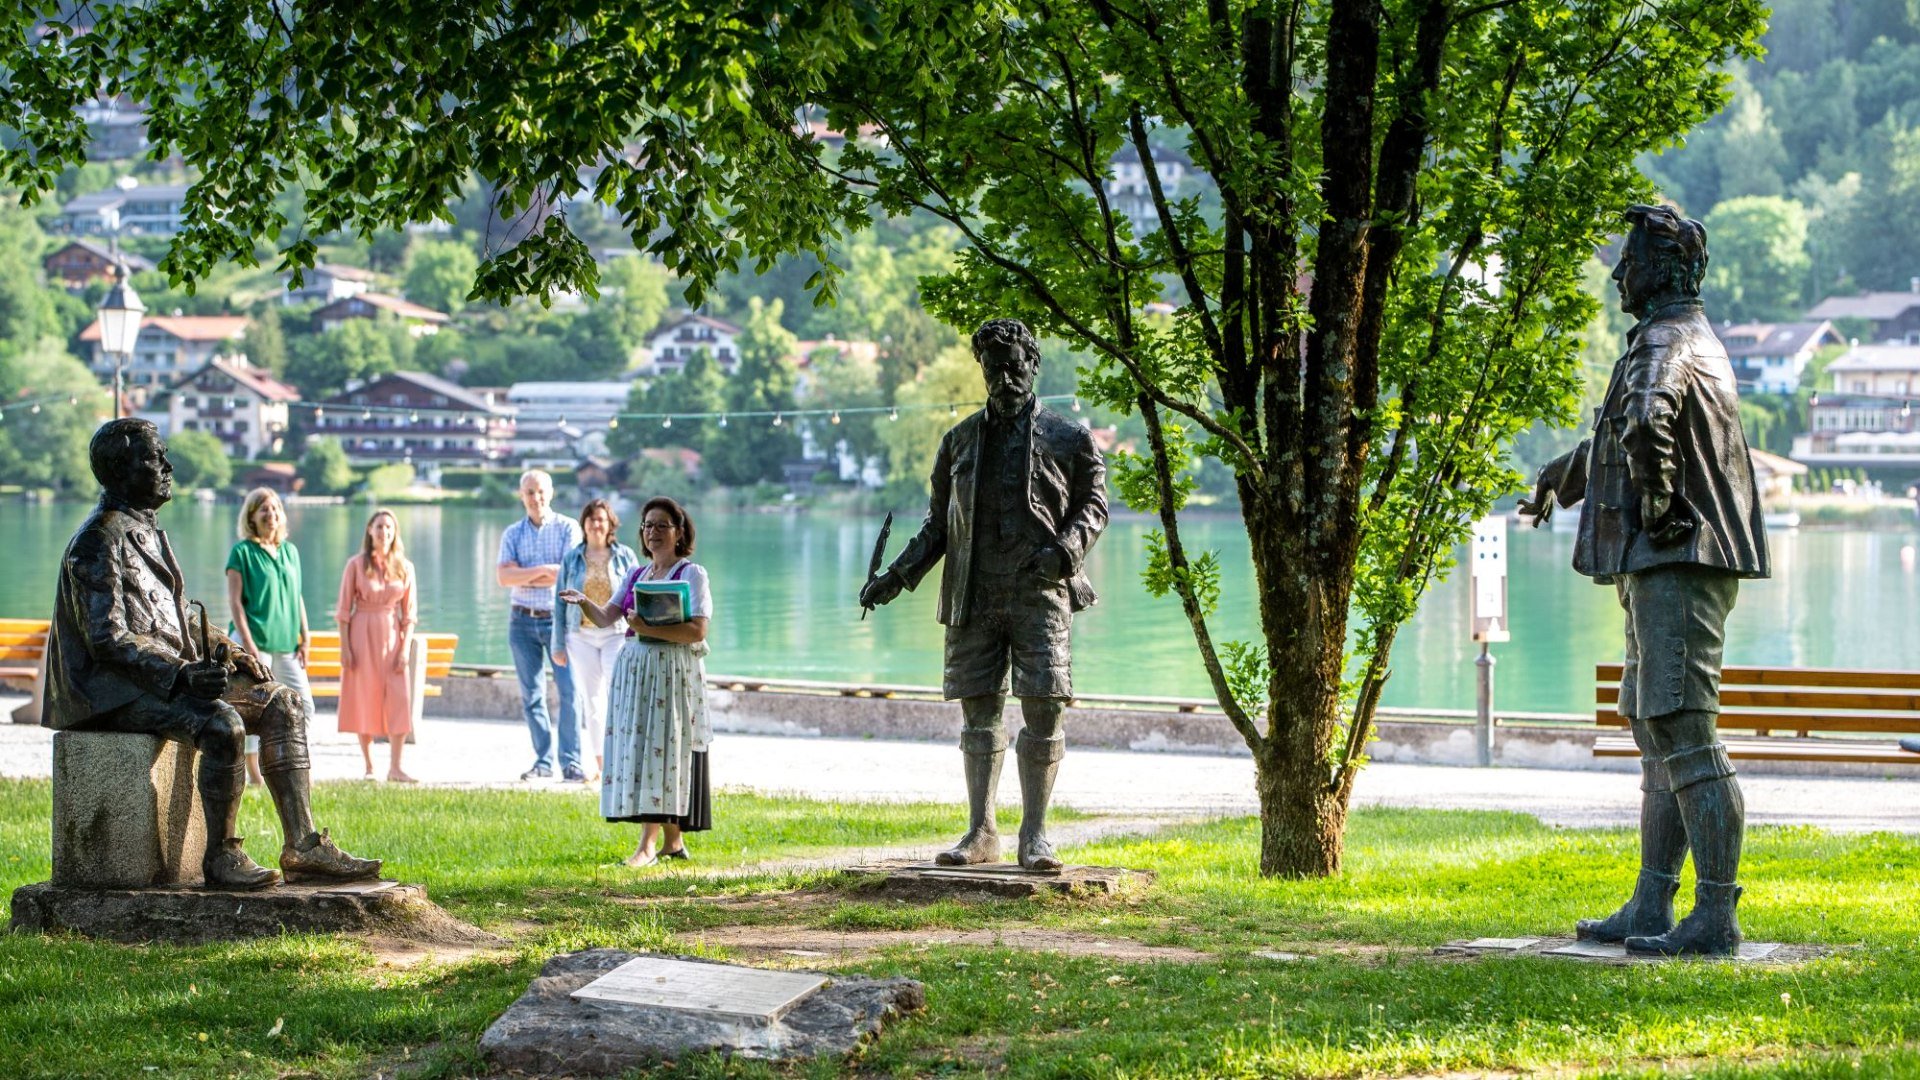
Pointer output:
241, 404
1769, 358
1129, 193
564, 421
169, 347
670, 347
326, 283
128, 208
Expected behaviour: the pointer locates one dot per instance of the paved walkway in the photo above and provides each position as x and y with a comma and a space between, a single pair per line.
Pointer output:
488, 752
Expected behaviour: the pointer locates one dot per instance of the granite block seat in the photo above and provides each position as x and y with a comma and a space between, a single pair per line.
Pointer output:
125, 811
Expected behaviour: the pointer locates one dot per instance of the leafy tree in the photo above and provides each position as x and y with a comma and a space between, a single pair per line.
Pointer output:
47, 448
200, 460
265, 342
633, 297
321, 364
1759, 265
1881, 231
913, 441
840, 380
910, 340
439, 273
753, 448
1355, 147
699, 387
323, 469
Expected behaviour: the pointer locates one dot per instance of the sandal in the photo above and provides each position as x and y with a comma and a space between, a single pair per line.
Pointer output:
677, 853
638, 862
400, 778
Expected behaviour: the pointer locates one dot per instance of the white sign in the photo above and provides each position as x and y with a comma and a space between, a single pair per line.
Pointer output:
1488, 559
722, 991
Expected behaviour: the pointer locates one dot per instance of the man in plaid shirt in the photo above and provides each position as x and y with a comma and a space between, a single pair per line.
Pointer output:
530, 553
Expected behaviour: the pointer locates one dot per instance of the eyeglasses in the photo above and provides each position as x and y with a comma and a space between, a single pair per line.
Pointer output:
656, 526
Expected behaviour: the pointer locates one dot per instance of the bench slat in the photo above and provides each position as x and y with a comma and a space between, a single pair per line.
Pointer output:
1766, 676
1740, 720
1867, 753
1866, 700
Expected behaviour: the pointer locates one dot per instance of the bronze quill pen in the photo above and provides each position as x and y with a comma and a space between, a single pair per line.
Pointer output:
879, 555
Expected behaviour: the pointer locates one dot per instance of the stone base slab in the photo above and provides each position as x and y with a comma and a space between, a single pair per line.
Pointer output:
548, 1032
1598, 952
183, 916
922, 881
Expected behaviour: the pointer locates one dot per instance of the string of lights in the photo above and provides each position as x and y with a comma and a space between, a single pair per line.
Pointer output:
777, 417
32, 406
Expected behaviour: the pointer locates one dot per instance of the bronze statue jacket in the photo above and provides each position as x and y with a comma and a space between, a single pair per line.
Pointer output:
120, 622
1666, 475
1066, 499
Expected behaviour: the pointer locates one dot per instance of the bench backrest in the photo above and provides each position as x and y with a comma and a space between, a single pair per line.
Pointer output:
323, 659
1800, 700
23, 640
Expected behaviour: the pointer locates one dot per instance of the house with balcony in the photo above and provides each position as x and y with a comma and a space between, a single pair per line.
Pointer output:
169, 348
419, 320
414, 417
1769, 358
128, 208
1129, 193
79, 263
1866, 418
326, 283
560, 422
1894, 316
670, 347
243, 406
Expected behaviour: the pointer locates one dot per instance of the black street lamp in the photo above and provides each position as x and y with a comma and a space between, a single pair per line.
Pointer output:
120, 314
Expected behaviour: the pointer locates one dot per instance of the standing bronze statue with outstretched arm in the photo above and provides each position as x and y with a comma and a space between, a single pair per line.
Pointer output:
1670, 517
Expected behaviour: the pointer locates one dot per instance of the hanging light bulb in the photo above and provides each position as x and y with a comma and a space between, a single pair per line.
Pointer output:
613, 422
413, 417
893, 413
668, 422
3, 416
319, 413
1076, 403
366, 414
777, 421
1814, 399
723, 420
1906, 409
952, 409
73, 399
836, 416
35, 410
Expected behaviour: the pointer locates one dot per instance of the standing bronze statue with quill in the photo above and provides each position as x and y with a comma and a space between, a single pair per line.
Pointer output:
1018, 498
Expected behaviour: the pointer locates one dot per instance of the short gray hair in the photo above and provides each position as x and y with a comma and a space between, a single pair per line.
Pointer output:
542, 475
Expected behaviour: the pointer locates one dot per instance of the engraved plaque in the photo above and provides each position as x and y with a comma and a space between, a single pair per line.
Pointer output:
722, 991
1502, 944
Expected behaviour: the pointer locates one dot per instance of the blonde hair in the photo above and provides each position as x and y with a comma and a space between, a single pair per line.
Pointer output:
254, 500
398, 568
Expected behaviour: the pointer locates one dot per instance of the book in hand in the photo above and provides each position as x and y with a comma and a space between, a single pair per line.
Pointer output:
663, 603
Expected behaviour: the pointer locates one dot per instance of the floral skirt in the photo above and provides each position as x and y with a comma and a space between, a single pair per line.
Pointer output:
656, 720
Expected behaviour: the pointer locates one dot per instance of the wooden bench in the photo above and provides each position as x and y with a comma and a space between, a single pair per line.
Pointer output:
23, 650
1793, 714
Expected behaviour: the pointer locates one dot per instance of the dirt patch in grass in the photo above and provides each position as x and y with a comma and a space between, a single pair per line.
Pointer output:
400, 953
794, 943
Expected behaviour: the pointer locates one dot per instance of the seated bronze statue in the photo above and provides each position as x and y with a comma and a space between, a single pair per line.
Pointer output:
125, 655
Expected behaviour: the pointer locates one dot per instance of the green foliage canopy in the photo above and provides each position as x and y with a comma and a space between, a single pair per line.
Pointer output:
200, 460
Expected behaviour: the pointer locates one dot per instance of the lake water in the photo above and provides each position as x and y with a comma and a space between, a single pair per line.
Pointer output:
784, 588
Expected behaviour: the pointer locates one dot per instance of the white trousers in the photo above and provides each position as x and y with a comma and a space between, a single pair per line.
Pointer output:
591, 651
288, 673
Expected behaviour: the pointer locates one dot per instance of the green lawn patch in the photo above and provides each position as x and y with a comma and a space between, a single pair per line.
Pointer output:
1371, 999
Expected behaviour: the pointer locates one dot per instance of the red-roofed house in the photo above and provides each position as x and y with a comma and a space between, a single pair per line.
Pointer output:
241, 404
420, 321
170, 346
415, 417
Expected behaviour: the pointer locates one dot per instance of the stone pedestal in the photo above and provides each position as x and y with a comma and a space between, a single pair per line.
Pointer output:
126, 814
182, 916
906, 879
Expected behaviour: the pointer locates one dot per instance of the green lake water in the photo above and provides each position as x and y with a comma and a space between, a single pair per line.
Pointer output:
784, 588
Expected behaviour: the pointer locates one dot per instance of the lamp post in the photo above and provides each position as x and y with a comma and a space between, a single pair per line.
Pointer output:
120, 314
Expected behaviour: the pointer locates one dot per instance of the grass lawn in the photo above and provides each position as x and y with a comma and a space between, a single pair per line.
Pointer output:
1369, 999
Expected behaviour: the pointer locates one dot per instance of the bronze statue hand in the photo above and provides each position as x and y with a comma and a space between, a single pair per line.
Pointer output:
1540, 507
881, 590
205, 681
248, 664
1048, 562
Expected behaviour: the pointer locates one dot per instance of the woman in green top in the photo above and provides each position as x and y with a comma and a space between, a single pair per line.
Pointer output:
263, 594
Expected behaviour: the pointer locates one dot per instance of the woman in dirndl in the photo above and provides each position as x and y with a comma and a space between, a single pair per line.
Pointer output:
657, 726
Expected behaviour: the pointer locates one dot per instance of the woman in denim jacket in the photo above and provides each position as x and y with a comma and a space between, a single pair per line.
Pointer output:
595, 566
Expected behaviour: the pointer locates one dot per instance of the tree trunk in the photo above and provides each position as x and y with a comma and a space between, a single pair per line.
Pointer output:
1302, 818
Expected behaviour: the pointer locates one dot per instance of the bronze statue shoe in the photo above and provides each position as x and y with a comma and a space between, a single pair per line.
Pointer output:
978, 846
1649, 913
229, 867
1036, 853
318, 859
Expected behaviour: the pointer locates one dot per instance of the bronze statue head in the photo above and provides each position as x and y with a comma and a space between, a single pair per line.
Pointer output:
129, 458
1664, 259
1010, 359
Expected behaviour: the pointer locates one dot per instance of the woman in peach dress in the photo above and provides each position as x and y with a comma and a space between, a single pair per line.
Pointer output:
376, 615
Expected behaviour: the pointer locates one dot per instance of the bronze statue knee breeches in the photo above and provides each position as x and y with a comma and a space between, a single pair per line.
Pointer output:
277, 715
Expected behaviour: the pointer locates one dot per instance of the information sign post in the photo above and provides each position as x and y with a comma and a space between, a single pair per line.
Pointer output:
1488, 559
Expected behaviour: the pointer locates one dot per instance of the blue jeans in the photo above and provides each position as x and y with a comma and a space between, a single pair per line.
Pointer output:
529, 637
